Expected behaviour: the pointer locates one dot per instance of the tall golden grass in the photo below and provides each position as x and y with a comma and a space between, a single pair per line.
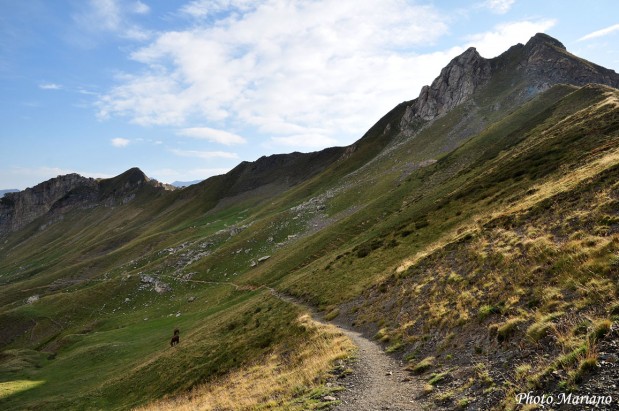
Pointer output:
282, 380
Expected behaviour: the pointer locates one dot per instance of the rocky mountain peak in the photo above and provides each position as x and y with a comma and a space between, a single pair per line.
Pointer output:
58, 195
18, 209
543, 40
457, 81
534, 67
547, 62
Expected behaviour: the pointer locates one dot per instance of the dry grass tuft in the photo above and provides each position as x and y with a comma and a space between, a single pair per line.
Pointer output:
282, 380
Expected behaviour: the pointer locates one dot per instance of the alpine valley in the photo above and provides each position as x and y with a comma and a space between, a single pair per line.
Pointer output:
472, 233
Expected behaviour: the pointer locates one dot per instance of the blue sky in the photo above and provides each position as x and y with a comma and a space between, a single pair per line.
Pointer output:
188, 89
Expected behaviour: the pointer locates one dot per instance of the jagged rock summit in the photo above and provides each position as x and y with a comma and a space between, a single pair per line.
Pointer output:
531, 68
62, 193
458, 80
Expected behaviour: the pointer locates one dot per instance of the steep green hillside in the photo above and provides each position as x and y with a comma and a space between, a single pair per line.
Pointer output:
483, 241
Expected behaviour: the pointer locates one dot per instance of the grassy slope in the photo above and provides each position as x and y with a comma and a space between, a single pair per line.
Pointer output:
378, 222
530, 276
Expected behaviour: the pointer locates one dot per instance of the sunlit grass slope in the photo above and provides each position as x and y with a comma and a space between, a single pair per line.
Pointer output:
504, 233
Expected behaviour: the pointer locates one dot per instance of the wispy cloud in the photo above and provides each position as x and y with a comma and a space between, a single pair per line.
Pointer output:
140, 8
319, 65
600, 33
326, 69
207, 155
499, 6
50, 86
113, 16
202, 8
212, 135
120, 142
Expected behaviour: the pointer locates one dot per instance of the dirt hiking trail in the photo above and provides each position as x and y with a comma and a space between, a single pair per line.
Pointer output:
378, 381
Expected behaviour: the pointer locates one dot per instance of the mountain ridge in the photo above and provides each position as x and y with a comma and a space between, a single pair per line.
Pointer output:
477, 246
544, 59
64, 193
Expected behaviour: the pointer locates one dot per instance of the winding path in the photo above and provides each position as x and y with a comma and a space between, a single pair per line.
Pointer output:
378, 381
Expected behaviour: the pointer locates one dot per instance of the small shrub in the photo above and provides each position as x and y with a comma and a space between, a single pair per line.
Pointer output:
423, 365
601, 328
581, 328
444, 397
571, 358
363, 251
382, 335
421, 224
522, 371
406, 233
539, 330
395, 346
487, 310
454, 278
332, 314
436, 378
506, 329
410, 356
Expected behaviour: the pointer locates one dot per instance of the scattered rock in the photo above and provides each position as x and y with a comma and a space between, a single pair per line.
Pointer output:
32, 299
161, 287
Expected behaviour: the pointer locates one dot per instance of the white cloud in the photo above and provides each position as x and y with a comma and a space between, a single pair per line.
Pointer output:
207, 155
120, 142
50, 86
112, 16
499, 6
203, 8
288, 69
140, 8
600, 33
328, 68
492, 43
212, 135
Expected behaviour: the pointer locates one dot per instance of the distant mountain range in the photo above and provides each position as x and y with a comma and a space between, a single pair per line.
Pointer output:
472, 232
180, 184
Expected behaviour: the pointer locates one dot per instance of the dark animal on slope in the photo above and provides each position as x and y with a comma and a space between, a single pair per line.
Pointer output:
176, 339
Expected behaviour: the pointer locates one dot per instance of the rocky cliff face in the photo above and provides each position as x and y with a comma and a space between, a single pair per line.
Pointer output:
547, 62
64, 193
457, 81
18, 209
537, 65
